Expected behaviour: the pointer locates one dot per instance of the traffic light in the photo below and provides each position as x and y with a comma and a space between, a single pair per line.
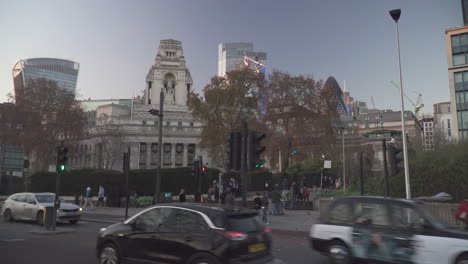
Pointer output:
255, 149
204, 169
62, 158
234, 151
396, 160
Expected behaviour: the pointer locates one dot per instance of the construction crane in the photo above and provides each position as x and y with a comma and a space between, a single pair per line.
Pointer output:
259, 67
373, 104
417, 106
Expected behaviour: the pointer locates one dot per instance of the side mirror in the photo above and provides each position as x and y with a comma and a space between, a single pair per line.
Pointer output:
32, 202
427, 226
138, 225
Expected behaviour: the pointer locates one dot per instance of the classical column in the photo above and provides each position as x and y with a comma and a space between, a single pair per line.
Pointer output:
173, 154
185, 157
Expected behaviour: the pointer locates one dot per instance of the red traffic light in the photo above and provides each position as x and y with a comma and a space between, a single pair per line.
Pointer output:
203, 169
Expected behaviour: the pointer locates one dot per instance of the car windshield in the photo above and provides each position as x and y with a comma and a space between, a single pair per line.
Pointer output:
434, 221
45, 198
244, 224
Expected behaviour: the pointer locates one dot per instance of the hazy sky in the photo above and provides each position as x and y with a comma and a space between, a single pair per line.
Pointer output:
116, 42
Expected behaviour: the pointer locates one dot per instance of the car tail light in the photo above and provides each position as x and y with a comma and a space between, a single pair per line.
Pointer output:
234, 236
267, 230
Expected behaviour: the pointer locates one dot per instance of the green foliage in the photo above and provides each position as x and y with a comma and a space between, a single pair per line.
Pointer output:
141, 181
351, 190
444, 170
11, 184
259, 178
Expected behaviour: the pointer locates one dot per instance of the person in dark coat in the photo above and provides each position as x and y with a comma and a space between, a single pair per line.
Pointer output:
182, 198
230, 199
257, 201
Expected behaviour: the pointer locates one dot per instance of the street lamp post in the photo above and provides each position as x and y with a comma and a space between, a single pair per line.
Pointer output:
344, 163
321, 171
159, 113
395, 14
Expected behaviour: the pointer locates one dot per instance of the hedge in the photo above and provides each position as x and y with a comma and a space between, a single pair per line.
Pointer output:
141, 181
11, 184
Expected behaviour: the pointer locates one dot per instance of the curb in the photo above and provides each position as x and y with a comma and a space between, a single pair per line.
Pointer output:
100, 220
52, 232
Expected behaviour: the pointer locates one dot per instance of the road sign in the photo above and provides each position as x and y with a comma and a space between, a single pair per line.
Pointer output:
327, 164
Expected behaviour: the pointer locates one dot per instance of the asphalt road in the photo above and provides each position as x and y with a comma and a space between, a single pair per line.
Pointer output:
18, 245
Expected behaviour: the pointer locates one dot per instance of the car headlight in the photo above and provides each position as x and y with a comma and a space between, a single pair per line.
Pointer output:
102, 230
81, 209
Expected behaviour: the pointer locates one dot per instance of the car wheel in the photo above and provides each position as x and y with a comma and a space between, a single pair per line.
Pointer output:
339, 253
109, 255
7, 215
204, 259
73, 221
463, 259
40, 218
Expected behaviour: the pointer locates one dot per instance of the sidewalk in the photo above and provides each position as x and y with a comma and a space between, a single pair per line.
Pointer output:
292, 220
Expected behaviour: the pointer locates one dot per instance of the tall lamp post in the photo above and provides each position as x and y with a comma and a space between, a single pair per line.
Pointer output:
159, 113
344, 161
322, 161
395, 14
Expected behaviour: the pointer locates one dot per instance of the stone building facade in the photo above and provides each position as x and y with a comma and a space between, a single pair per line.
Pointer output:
115, 127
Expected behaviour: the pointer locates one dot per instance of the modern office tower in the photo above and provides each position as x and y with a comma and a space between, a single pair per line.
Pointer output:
64, 72
231, 56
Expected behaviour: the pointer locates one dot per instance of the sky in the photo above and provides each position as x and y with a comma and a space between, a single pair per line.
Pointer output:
116, 41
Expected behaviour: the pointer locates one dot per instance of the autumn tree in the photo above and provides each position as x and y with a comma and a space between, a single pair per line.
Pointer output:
53, 115
226, 102
299, 115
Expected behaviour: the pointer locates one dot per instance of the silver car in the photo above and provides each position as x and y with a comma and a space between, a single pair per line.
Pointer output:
31, 206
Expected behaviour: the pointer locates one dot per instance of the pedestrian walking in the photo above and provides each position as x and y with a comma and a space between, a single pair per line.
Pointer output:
257, 201
234, 186
216, 193
305, 193
101, 196
291, 197
230, 200
265, 204
276, 201
88, 197
285, 184
182, 198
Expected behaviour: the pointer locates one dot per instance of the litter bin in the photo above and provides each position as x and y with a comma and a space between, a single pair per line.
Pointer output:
49, 217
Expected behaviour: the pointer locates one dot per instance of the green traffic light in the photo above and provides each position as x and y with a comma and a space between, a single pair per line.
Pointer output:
62, 167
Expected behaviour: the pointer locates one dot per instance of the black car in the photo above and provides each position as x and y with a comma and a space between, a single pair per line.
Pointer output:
186, 233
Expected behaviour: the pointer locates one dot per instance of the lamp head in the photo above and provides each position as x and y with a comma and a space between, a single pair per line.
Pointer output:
395, 13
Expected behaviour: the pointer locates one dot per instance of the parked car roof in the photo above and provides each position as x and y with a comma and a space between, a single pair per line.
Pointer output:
375, 198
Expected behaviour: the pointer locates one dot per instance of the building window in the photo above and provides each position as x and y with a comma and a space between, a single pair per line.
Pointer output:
459, 59
143, 122
459, 49
179, 124
150, 84
191, 124
168, 123
461, 100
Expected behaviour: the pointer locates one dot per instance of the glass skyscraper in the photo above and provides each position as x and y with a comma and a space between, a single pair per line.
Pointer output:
231, 56
64, 72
